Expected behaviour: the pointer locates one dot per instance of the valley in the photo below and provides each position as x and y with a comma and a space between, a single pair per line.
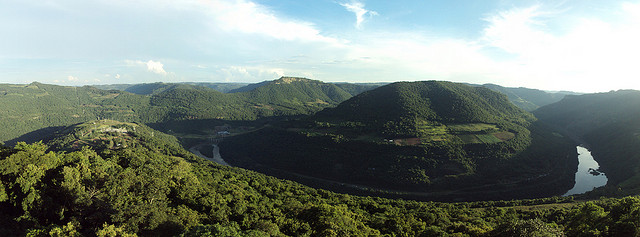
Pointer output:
424, 141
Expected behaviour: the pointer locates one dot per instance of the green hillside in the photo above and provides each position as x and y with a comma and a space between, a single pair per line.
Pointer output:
131, 180
437, 101
528, 99
357, 88
26, 109
282, 97
440, 138
153, 88
35, 110
608, 124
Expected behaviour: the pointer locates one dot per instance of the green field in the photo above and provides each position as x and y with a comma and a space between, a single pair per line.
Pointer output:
472, 128
469, 139
488, 138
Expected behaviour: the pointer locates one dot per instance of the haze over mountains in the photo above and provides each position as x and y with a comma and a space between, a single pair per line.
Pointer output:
428, 140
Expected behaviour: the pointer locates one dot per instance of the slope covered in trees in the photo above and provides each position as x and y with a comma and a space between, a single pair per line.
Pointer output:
27, 109
151, 88
608, 124
442, 139
30, 111
129, 179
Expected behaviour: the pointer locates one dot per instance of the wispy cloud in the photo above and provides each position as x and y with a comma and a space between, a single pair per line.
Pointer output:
250, 17
586, 51
358, 9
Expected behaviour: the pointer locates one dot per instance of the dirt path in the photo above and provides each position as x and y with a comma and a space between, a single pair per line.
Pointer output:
216, 154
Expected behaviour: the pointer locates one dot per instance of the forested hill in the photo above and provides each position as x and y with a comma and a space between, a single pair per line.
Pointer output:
298, 90
435, 101
125, 179
283, 97
152, 88
528, 99
609, 124
27, 109
31, 111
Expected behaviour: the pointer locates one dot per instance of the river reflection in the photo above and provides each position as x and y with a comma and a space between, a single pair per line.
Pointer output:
587, 177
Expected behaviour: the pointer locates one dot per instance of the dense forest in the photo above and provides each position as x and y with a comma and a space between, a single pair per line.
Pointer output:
106, 178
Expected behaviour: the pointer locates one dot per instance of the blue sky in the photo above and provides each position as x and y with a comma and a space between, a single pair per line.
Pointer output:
584, 45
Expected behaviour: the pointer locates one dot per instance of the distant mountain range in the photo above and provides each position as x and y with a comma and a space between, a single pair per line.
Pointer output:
525, 98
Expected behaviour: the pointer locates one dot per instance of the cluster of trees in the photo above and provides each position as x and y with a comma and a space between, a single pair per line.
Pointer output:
154, 187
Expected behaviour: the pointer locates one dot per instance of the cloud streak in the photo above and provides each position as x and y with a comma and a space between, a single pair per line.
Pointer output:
358, 9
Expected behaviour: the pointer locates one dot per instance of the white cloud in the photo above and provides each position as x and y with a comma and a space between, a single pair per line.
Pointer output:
152, 66
517, 30
72, 78
249, 17
358, 9
590, 54
117, 76
156, 67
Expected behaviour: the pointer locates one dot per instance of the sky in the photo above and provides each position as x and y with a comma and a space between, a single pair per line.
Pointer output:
575, 45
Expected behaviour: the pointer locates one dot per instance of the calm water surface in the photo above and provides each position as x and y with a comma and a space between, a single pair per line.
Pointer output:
587, 177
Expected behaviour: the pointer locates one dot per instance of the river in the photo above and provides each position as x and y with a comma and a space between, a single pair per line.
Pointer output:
587, 177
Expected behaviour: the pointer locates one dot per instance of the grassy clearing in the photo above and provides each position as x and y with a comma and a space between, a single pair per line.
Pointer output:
504, 136
472, 128
469, 139
488, 138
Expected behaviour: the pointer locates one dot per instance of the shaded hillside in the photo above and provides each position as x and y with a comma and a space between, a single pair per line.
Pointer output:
608, 123
528, 99
433, 137
357, 88
148, 185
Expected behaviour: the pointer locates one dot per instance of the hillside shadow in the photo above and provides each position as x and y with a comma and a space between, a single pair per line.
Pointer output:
199, 126
43, 134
